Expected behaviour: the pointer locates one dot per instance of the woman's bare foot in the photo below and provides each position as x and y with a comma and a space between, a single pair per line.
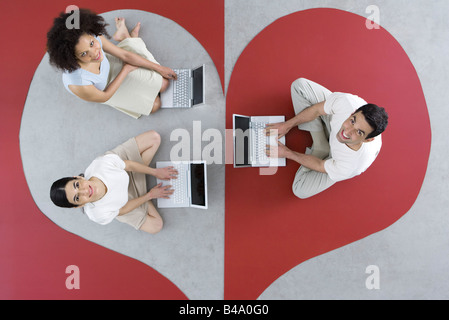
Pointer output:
135, 31
122, 32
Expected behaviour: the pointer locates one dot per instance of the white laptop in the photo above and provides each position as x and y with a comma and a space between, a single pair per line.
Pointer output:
187, 91
190, 186
250, 141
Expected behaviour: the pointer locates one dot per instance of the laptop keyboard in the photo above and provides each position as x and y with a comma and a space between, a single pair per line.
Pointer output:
260, 141
179, 185
181, 92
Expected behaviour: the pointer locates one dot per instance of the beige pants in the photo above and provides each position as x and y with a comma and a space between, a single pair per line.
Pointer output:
306, 93
137, 93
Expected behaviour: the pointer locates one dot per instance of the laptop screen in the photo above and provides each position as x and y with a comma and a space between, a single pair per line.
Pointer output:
198, 184
198, 87
241, 141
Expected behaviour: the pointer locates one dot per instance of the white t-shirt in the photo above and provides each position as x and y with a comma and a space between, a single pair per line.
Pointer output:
346, 163
110, 169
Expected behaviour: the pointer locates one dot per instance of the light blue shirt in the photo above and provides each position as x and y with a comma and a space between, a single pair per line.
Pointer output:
81, 77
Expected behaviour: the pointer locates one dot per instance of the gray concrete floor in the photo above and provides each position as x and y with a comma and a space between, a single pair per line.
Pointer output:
412, 254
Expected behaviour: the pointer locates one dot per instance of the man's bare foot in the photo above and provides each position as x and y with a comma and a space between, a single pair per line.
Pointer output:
122, 32
135, 31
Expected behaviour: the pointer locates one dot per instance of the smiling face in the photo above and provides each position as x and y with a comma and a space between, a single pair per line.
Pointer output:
81, 191
354, 131
88, 50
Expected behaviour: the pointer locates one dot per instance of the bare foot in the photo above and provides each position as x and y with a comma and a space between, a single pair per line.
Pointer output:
135, 31
122, 32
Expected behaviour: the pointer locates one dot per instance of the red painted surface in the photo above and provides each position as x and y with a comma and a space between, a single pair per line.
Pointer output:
268, 230
34, 252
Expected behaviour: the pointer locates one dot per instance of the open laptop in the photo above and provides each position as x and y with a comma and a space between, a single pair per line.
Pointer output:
187, 91
190, 186
250, 141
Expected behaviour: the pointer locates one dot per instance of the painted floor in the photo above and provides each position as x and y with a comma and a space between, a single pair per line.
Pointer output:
378, 236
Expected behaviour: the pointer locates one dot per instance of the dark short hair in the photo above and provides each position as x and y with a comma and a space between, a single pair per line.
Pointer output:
376, 117
61, 41
58, 194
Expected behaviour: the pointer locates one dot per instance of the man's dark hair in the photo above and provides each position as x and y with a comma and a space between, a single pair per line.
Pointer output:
376, 117
61, 41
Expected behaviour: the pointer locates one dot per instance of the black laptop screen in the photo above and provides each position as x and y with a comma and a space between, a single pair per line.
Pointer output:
198, 86
241, 141
198, 184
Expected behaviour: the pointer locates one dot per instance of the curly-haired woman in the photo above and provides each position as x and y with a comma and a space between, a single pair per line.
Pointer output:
125, 76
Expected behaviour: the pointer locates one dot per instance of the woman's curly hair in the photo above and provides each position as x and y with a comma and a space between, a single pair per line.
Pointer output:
61, 40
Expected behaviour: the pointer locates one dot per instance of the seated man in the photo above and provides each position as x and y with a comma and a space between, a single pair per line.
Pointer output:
345, 131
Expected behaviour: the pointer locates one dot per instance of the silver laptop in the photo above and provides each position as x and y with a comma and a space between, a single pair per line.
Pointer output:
190, 186
250, 141
187, 91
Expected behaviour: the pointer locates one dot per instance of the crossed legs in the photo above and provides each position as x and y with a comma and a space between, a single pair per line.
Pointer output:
148, 144
306, 93
123, 33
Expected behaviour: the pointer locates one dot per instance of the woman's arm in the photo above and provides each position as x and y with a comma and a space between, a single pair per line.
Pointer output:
136, 60
166, 173
158, 191
91, 93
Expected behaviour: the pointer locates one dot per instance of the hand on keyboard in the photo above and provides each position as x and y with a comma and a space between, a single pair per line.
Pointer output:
281, 128
160, 191
166, 173
168, 73
279, 151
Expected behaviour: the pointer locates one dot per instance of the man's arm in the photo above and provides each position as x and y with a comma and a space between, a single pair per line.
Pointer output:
306, 160
307, 115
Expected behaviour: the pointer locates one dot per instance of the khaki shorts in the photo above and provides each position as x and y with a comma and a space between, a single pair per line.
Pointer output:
137, 183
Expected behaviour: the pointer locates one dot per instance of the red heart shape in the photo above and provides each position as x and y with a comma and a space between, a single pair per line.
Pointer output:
269, 230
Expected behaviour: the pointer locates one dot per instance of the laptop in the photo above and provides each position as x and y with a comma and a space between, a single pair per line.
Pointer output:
250, 141
190, 186
187, 91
